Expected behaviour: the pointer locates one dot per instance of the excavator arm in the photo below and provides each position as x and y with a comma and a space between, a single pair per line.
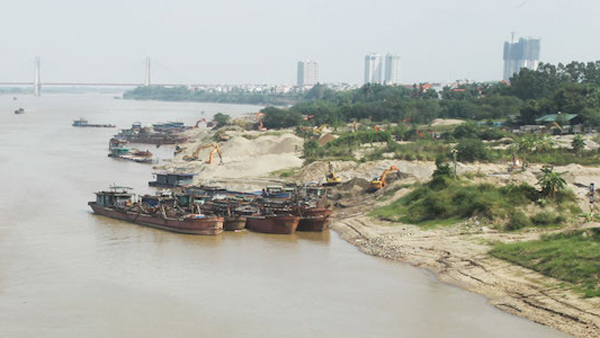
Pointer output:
194, 156
331, 178
259, 117
216, 149
381, 181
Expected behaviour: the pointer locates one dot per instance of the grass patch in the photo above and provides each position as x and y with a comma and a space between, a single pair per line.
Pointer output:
573, 257
284, 173
446, 201
266, 133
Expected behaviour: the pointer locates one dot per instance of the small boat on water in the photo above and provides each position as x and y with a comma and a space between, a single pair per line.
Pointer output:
157, 212
118, 149
273, 224
20, 111
84, 123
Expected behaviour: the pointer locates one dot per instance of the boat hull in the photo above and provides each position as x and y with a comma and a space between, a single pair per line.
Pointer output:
313, 223
235, 223
273, 224
195, 226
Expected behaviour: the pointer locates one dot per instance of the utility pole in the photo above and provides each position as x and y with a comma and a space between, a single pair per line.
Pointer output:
454, 152
592, 202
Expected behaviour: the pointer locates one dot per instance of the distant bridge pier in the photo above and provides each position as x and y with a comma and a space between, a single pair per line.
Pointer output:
37, 83
147, 78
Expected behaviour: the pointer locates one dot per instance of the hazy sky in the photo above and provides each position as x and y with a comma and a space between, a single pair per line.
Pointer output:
260, 41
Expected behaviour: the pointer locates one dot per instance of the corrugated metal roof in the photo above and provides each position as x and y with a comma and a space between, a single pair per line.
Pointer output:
554, 117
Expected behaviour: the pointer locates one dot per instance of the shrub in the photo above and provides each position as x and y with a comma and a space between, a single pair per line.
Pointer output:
546, 218
518, 220
470, 150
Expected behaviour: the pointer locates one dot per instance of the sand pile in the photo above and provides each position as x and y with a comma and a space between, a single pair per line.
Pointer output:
242, 158
446, 122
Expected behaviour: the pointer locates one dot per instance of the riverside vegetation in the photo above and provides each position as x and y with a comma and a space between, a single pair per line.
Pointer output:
406, 132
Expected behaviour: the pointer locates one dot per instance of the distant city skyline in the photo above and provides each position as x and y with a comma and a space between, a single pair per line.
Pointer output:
220, 42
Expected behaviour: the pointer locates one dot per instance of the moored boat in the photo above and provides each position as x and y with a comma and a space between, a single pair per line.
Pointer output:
235, 222
118, 204
313, 223
273, 224
84, 123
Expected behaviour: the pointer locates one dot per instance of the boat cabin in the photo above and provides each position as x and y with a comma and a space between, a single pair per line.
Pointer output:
116, 197
169, 126
118, 151
209, 191
171, 180
80, 123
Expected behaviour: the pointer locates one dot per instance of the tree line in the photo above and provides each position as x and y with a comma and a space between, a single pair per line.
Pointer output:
570, 89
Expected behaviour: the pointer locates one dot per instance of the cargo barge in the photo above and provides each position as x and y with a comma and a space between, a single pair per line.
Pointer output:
118, 203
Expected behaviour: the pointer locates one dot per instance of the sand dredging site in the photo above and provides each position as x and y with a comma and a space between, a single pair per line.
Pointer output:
457, 254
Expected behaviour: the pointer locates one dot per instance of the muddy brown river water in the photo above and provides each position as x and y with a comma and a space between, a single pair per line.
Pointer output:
65, 272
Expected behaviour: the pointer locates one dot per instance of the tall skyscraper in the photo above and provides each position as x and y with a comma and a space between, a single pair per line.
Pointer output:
393, 69
373, 68
308, 73
522, 54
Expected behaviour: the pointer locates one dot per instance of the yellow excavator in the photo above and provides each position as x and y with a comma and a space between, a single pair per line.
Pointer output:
331, 178
215, 149
319, 130
259, 117
549, 127
381, 181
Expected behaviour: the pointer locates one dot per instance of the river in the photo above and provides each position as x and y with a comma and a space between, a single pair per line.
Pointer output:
65, 272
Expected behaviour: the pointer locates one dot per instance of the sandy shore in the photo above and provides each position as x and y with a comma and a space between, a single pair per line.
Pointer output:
456, 254
459, 256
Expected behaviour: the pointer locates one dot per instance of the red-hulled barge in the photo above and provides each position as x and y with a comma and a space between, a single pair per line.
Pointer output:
314, 219
118, 204
273, 224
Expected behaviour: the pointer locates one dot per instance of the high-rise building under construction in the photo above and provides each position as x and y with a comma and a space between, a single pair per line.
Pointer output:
522, 54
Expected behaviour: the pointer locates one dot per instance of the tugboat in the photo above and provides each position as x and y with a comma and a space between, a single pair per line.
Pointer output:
154, 211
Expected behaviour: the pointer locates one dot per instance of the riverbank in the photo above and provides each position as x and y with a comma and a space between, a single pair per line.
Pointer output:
458, 254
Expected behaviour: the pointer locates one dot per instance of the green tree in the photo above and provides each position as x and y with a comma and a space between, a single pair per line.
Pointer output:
281, 118
578, 143
544, 144
471, 149
221, 119
550, 181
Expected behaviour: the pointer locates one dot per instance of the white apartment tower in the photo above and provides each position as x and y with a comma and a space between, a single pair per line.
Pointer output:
393, 69
308, 73
373, 68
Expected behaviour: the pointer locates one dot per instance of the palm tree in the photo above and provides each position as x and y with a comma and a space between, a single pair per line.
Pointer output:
544, 144
550, 181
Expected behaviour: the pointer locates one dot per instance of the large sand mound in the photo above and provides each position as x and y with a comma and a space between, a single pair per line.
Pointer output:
242, 158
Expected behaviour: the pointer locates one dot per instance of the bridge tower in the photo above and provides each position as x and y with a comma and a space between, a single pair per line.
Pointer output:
37, 83
147, 79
